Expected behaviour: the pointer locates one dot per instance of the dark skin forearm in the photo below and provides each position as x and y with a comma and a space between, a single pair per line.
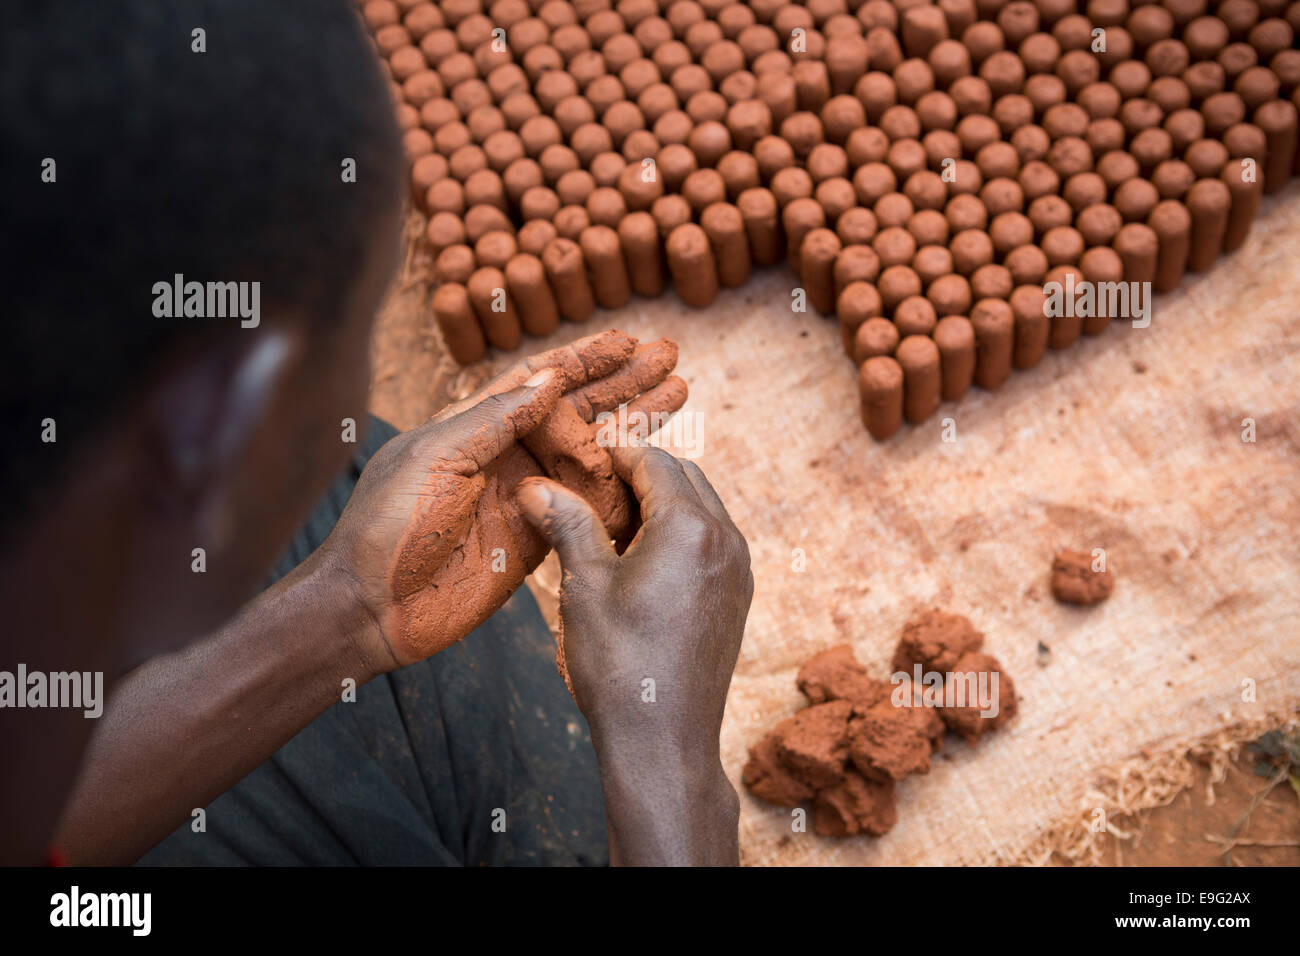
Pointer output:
663, 807
183, 728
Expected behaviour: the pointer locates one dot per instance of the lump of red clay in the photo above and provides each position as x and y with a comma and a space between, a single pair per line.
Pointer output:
859, 736
855, 805
814, 743
835, 674
888, 742
767, 778
1075, 582
986, 695
936, 640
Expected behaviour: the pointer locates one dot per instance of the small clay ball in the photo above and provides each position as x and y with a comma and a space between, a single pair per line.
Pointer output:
538, 202
1078, 68
1099, 101
893, 210
1221, 111
1049, 212
971, 249
1270, 36
894, 245
791, 184
976, 131
1085, 189
940, 145
1098, 224
963, 177
1040, 52
1169, 93
876, 92
1135, 198
872, 181
1066, 119
1204, 79
1012, 111
826, 160
950, 295
900, 122
972, 96
856, 226
992, 281
803, 131
574, 187
1167, 58
905, 157
1002, 195
1102, 264
1184, 128
703, 188
772, 154
1026, 265
674, 127
931, 263
915, 315
912, 79
1043, 92
840, 117
1038, 180
1009, 230
983, 40
1206, 157
897, 283
929, 227
1151, 147
1004, 72
835, 196
1104, 135
1070, 155
1130, 78
948, 61
997, 160
965, 212
926, 190
454, 264
1236, 58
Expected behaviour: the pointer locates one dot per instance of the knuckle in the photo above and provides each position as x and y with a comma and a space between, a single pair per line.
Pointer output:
699, 532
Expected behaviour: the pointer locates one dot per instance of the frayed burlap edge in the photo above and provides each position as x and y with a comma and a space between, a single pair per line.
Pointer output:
1149, 779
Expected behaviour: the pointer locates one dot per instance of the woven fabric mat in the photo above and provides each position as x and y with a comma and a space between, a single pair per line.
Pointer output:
1131, 441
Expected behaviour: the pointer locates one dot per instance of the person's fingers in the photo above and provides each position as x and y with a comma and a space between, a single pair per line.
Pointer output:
656, 477
708, 495
579, 362
589, 358
648, 366
567, 522
478, 435
659, 404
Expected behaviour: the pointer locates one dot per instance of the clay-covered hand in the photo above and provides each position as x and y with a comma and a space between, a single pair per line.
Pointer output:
649, 641
433, 536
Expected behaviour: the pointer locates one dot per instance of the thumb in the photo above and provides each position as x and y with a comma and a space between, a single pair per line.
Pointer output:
567, 523
484, 431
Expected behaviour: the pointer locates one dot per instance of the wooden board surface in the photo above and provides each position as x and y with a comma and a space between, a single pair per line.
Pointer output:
1131, 441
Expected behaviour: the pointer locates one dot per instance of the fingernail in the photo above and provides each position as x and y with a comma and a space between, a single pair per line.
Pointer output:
535, 497
540, 378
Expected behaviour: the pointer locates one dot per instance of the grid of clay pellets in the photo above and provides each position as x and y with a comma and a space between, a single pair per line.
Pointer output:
925, 169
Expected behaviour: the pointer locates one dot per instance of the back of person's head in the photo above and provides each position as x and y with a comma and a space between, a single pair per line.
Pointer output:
145, 140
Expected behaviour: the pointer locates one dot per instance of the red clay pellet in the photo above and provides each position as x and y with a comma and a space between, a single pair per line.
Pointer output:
925, 169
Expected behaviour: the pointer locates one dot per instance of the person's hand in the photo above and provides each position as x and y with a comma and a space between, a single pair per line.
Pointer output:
650, 639
432, 537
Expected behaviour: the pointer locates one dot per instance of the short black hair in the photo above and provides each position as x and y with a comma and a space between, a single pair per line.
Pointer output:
223, 165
